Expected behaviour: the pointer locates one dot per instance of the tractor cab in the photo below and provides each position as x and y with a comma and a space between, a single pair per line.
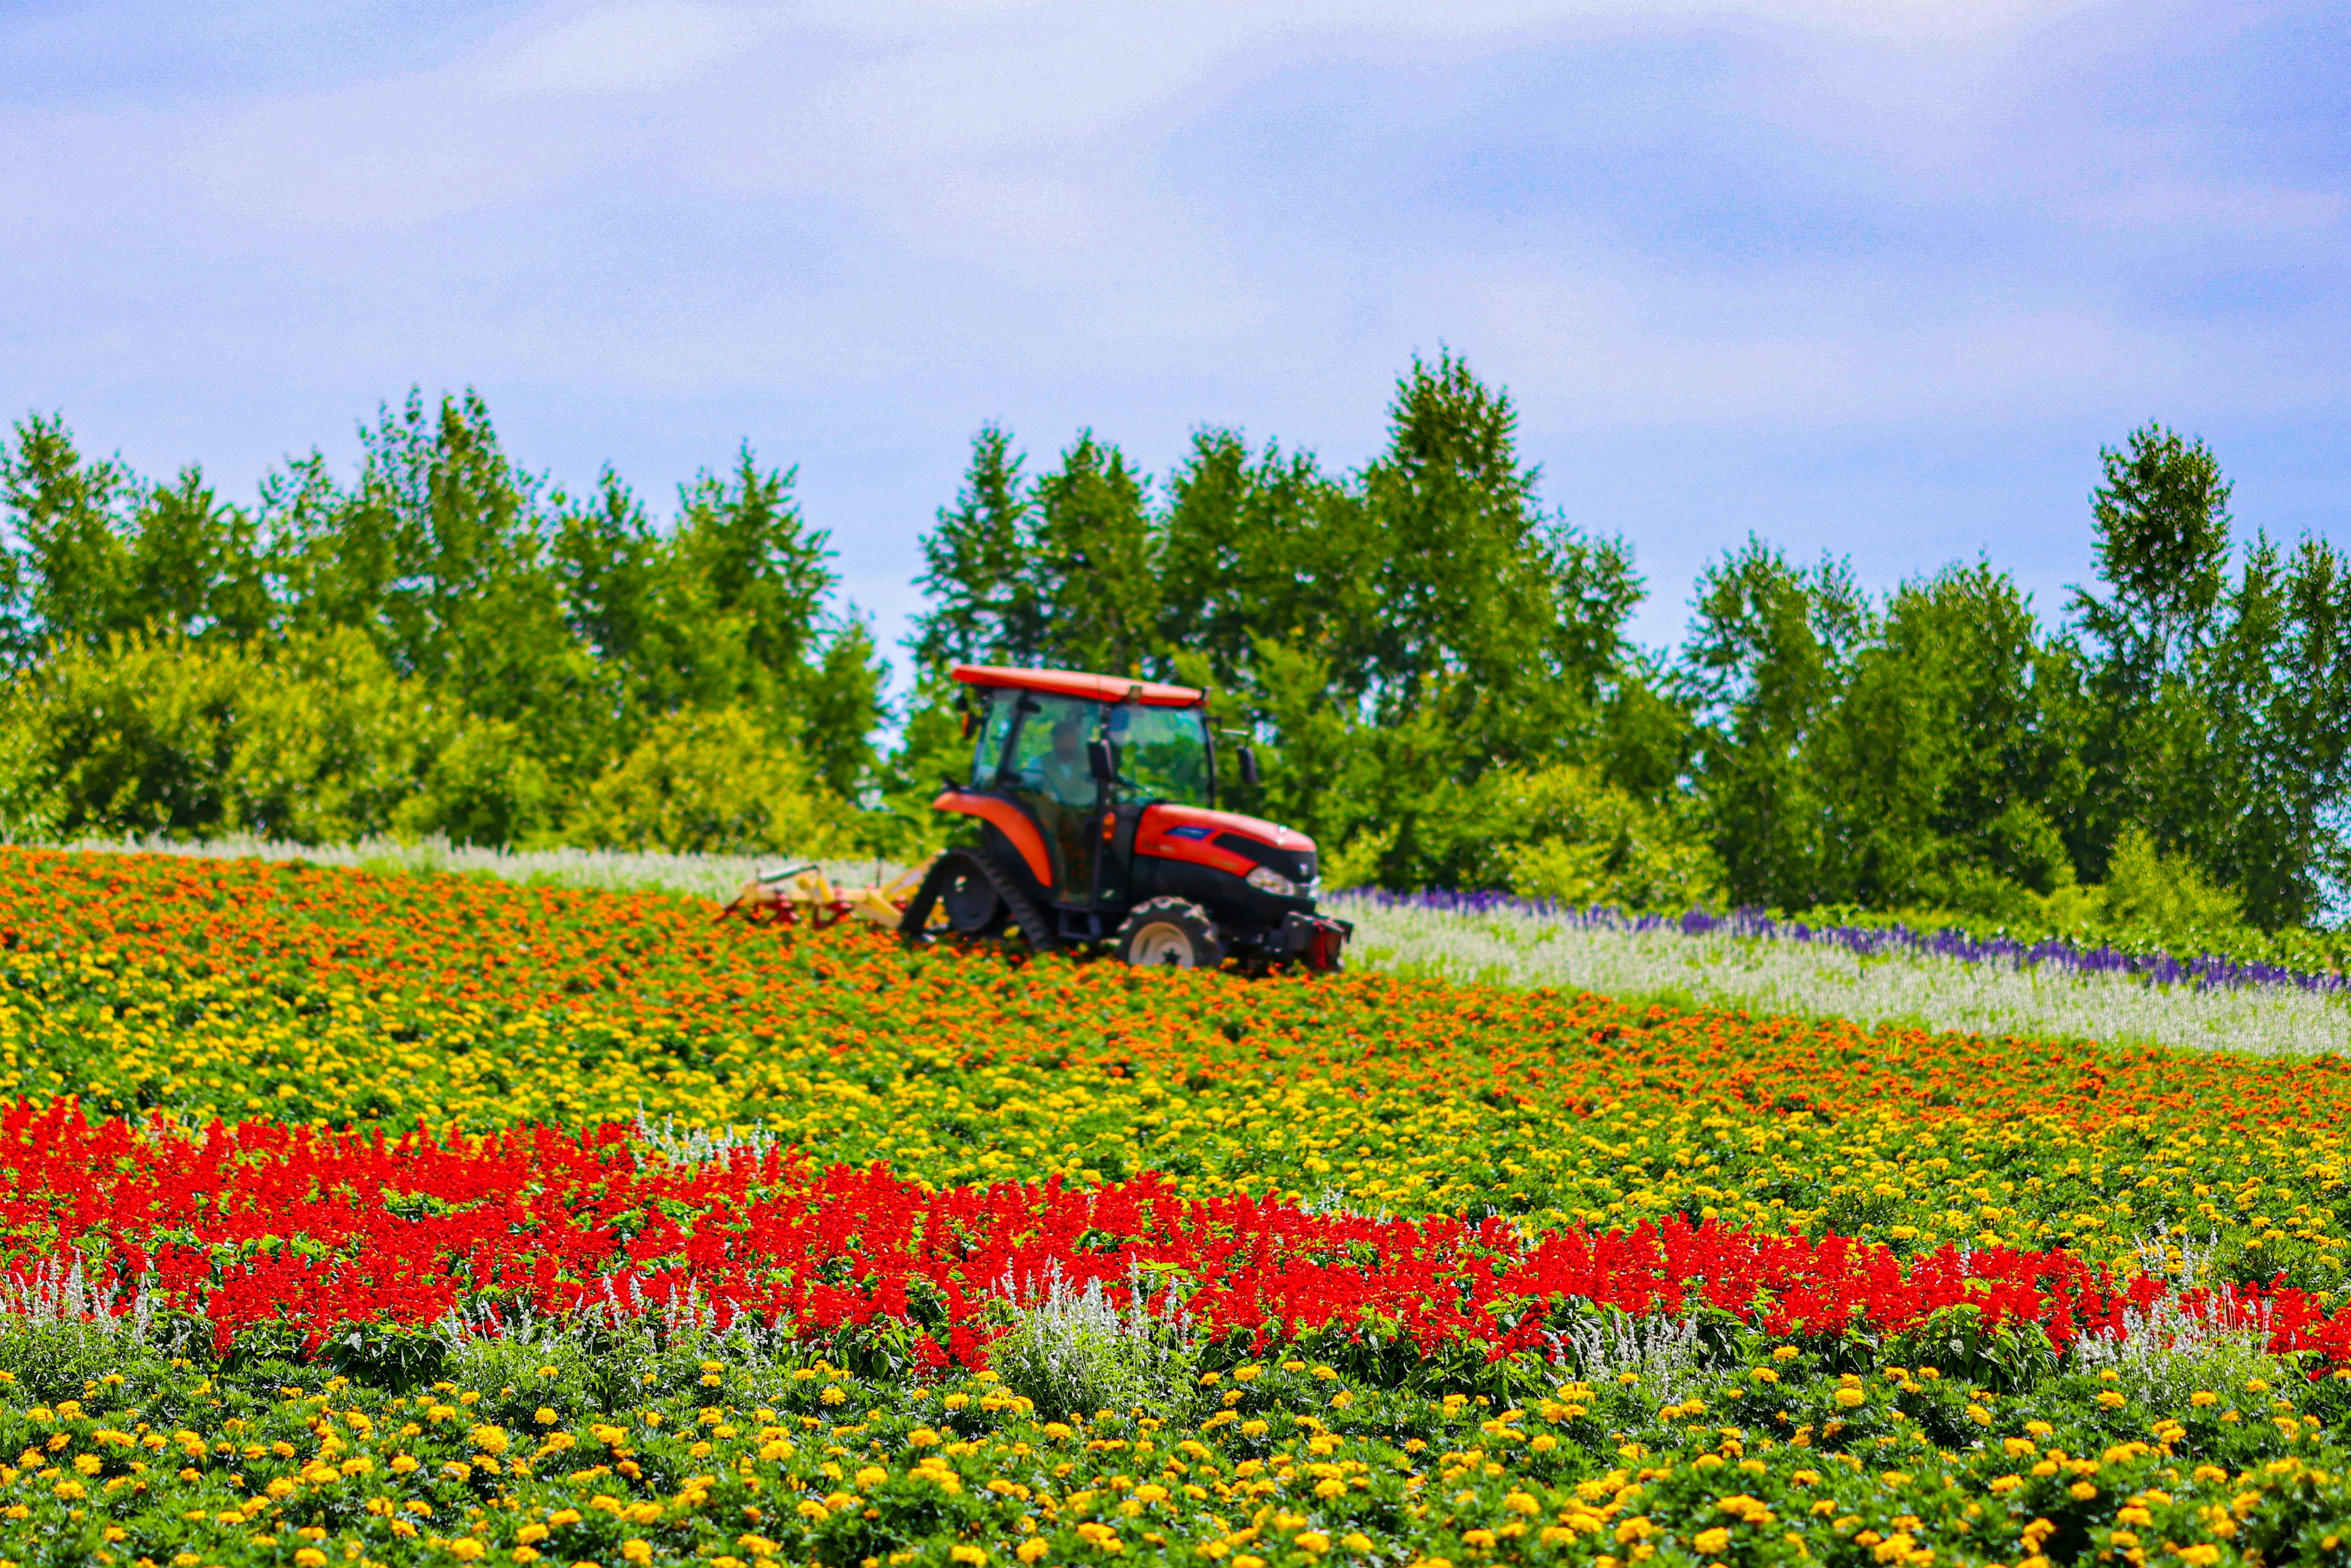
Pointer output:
1093, 805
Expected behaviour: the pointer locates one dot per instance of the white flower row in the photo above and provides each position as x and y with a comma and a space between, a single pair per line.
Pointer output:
1776, 976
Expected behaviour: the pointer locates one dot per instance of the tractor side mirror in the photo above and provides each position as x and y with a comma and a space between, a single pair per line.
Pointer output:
1248, 765
1102, 760
970, 722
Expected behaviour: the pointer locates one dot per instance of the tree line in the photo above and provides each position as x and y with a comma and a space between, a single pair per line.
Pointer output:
1433, 664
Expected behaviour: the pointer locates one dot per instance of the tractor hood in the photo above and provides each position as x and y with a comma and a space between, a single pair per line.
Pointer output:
1200, 822
1225, 841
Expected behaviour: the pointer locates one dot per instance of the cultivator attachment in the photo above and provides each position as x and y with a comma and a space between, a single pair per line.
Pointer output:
804, 896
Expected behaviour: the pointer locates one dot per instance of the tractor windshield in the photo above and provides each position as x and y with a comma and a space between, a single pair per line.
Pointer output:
1163, 752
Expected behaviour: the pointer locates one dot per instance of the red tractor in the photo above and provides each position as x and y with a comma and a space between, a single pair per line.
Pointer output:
1095, 801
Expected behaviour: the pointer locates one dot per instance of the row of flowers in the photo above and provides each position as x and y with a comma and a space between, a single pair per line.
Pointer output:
259, 1225
522, 1452
1898, 938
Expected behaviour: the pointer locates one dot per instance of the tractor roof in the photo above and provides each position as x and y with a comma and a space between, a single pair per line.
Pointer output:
1073, 683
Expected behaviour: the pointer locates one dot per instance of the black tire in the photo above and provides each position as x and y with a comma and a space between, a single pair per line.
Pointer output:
952, 875
973, 906
1173, 932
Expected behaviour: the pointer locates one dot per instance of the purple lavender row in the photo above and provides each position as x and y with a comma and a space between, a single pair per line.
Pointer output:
2203, 971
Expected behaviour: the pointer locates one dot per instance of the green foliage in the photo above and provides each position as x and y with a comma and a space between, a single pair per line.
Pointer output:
134, 735
482, 786
1583, 841
709, 783
327, 741
439, 645
2218, 718
2166, 895
897, 822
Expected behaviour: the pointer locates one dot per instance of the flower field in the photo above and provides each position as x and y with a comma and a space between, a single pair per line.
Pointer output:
383, 1219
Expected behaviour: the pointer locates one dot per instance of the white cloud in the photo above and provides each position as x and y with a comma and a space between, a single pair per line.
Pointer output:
882, 102
892, 216
621, 49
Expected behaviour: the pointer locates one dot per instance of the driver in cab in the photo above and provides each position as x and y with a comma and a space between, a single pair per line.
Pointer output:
1066, 775
1066, 782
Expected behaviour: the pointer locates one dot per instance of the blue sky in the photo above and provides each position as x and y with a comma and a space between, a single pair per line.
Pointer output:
1871, 278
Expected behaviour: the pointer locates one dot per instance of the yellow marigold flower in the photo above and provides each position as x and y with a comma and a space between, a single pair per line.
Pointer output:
1712, 1540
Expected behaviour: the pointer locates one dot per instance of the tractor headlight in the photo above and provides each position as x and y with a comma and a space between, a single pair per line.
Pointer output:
1265, 879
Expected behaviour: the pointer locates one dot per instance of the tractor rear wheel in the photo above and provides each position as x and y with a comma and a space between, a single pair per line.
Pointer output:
974, 907
1170, 932
965, 881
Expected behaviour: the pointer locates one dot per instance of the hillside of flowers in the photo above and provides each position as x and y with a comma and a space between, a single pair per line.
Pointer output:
399, 1218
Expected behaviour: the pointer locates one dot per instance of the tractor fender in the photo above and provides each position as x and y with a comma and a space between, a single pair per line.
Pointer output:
1009, 820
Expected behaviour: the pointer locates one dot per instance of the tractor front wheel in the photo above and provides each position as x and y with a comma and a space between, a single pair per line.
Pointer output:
1170, 931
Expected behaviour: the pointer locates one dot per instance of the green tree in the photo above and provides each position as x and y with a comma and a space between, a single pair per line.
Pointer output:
1769, 657
195, 565
1261, 544
747, 604
67, 574
710, 783
1567, 833
1097, 549
979, 570
1952, 764
1480, 596
484, 783
326, 743
2220, 720
1064, 570
132, 735
2162, 545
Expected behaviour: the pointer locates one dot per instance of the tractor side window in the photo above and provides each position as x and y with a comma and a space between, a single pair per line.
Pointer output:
1163, 754
1049, 756
994, 723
